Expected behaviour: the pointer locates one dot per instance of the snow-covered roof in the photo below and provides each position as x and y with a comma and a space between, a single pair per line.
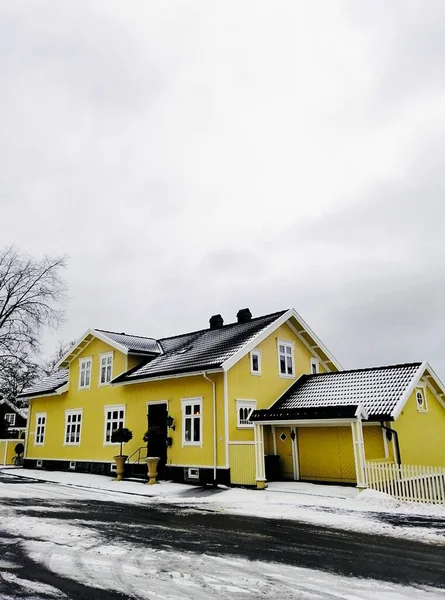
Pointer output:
200, 350
20, 411
47, 385
379, 390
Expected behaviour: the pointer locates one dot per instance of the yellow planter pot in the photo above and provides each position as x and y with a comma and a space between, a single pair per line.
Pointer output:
120, 466
152, 466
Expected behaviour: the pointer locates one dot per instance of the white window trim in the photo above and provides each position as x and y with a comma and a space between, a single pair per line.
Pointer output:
81, 361
240, 402
73, 411
37, 415
106, 409
315, 362
421, 388
12, 422
291, 344
190, 402
257, 353
101, 357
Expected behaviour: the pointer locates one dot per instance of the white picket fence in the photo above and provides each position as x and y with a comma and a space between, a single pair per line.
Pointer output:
413, 483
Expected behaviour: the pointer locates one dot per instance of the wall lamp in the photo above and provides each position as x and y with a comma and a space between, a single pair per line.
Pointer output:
170, 422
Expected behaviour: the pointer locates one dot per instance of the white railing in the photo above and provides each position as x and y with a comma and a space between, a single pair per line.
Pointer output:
413, 483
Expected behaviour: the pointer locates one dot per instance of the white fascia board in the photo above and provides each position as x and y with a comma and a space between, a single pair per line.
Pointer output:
97, 334
162, 377
437, 381
308, 422
409, 390
228, 364
318, 343
262, 335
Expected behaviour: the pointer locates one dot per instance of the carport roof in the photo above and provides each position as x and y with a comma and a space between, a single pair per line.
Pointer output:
379, 390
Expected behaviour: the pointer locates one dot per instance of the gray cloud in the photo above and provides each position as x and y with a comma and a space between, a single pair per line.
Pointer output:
194, 159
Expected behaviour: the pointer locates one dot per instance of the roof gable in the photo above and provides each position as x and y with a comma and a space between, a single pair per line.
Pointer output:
125, 343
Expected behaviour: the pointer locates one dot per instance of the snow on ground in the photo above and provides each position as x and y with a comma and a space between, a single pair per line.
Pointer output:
77, 553
332, 506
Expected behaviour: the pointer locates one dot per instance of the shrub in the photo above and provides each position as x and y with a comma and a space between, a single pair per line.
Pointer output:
121, 436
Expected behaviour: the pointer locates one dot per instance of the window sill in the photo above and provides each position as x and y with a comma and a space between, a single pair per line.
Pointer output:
282, 376
255, 373
245, 426
80, 389
423, 410
71, 444
196, 444
104, 384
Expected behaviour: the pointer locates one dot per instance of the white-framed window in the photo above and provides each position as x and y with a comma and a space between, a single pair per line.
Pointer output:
10, 419
421, 399
286, 365
114, 418
106, 368
255, 362
315, 366
85, 373
39, 438
244, 409
73, 426
191, 421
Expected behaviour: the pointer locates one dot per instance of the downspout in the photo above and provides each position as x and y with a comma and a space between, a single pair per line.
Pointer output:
389, 436
214, 424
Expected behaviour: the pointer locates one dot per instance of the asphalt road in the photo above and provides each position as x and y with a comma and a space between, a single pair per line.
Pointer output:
188, 529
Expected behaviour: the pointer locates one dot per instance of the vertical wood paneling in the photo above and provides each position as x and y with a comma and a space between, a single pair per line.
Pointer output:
242, 464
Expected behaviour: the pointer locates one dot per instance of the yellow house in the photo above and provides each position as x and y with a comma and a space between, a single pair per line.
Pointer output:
235, 404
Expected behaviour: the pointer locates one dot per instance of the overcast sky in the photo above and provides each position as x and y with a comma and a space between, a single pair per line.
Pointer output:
195, 158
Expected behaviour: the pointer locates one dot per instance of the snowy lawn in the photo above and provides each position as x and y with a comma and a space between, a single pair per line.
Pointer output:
341, 507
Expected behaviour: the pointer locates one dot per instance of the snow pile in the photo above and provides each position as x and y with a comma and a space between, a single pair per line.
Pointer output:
377, 500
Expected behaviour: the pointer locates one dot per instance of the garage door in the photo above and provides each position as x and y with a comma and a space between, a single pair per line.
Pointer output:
326, 454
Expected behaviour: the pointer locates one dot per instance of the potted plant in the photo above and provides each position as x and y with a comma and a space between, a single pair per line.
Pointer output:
18, 458
121, 436
152, 437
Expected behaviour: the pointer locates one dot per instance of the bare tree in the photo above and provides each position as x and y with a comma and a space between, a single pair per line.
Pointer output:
48, 367
31, 294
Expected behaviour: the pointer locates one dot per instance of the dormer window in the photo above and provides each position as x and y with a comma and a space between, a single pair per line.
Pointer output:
421, 400
106, 368
85, 373
10, 419
255, 362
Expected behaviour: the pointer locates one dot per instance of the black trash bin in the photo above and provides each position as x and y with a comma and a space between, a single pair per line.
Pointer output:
273, 467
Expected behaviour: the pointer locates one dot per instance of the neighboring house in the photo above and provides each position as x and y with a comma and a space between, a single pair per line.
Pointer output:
229, 400
12, 420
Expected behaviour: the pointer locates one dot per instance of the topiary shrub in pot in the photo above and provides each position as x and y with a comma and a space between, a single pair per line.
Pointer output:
121, 436
18, 458
152, 438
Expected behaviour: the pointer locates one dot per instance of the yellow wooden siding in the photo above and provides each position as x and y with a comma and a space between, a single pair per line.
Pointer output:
7, 451
134, 397
326, 454
422, 434
242, 464
373, 439
267, 387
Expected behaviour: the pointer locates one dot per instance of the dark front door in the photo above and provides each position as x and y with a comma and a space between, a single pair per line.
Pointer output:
157, 417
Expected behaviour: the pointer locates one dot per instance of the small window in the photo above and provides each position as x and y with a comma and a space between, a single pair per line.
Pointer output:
244, 409
421, 400
72, 466
73, 424
106, 368
39, 439
255, 362
85, 373
286, 359
192, 421
315, 366
114, 418
39, 464
10, 419
192, 473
